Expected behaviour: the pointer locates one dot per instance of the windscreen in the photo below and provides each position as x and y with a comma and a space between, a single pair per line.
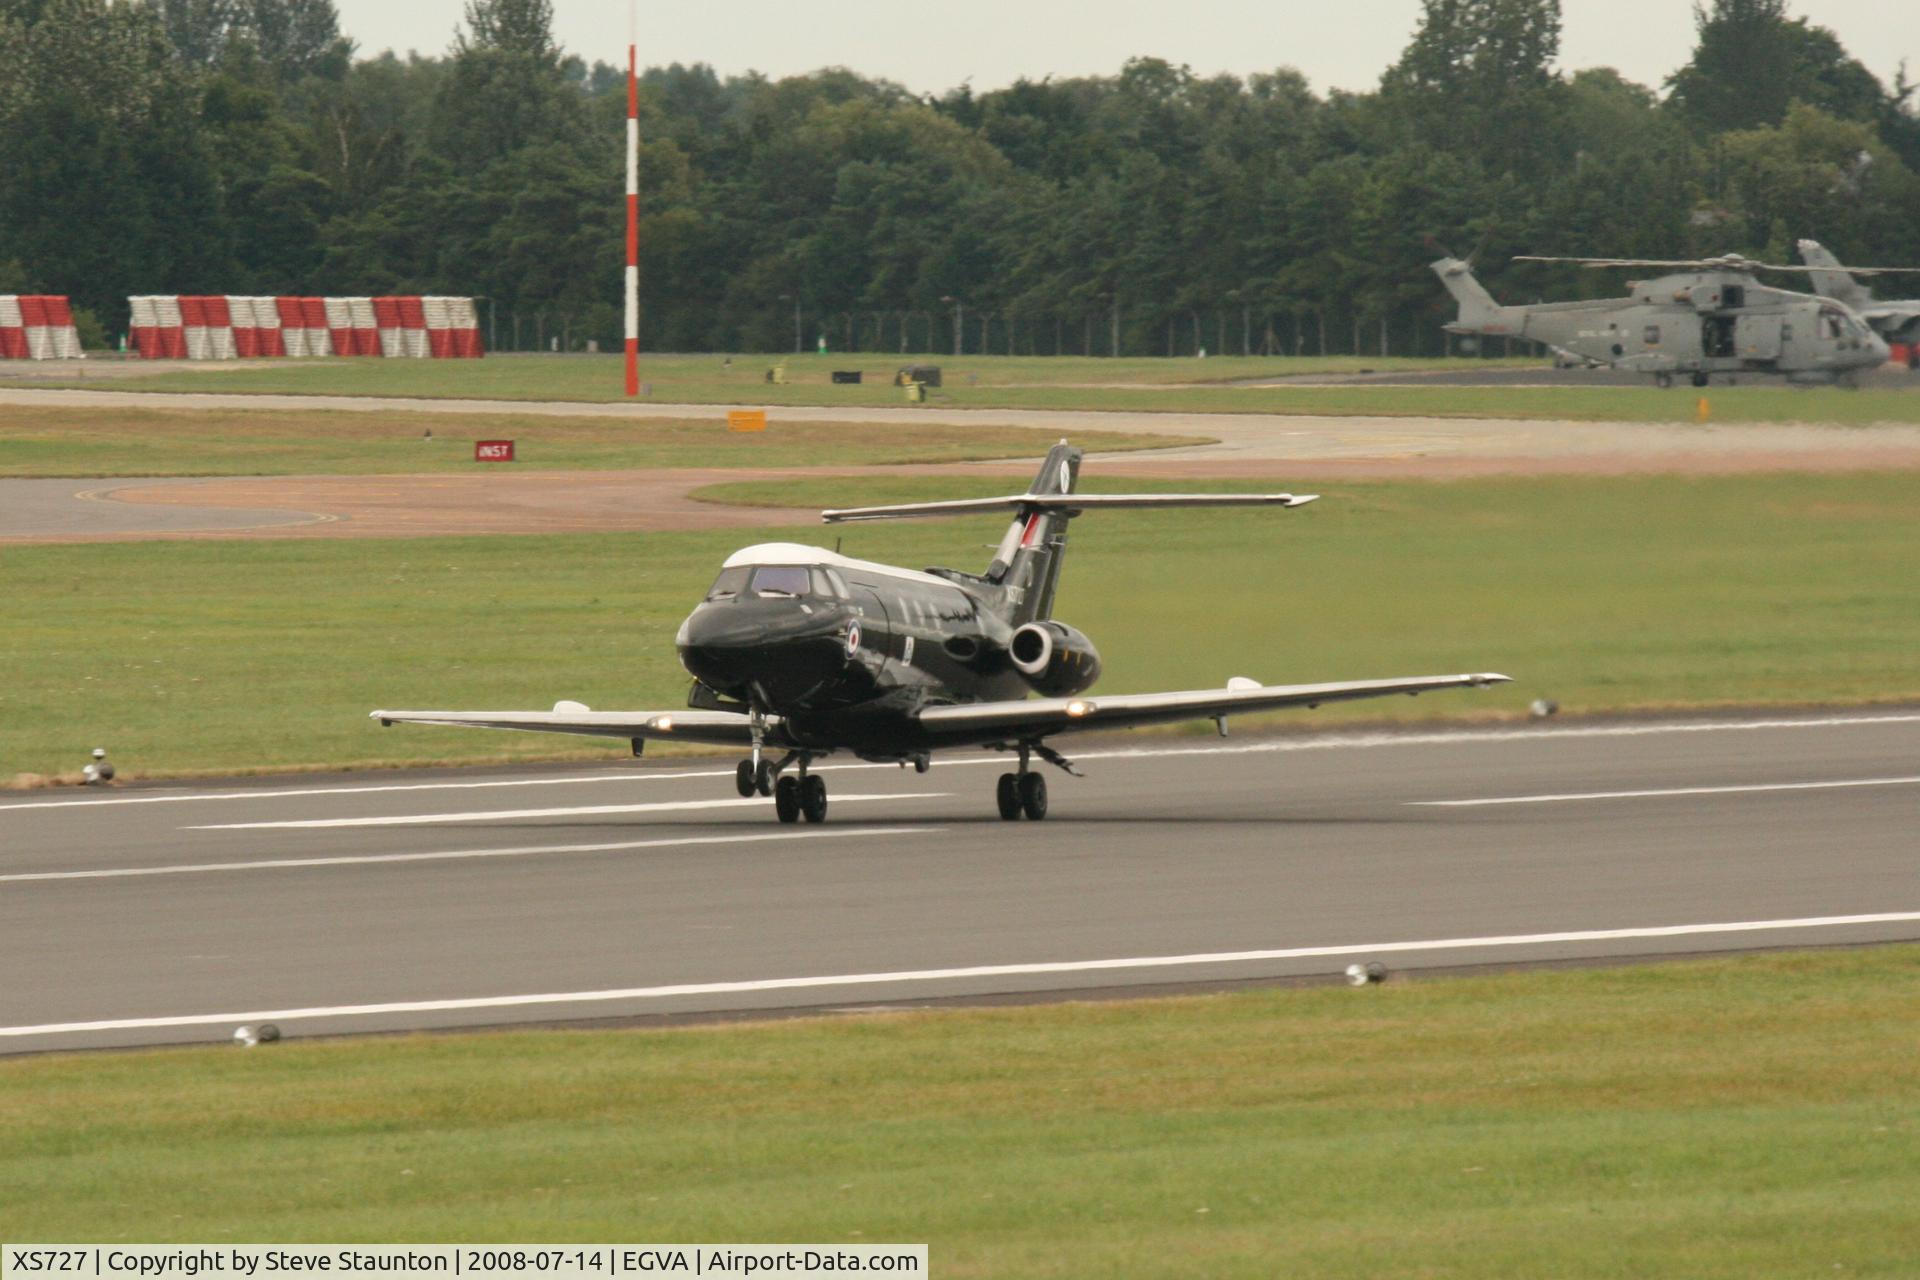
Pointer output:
729, 584
780, 581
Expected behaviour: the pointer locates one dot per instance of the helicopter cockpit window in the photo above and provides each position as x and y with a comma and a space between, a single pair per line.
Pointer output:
782, 581
729, 584
1652, 336
1831, 323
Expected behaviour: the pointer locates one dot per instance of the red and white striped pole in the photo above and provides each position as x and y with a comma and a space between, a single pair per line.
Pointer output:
633, 203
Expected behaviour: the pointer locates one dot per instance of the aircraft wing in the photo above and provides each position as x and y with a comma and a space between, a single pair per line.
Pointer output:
1042, 717
725, 728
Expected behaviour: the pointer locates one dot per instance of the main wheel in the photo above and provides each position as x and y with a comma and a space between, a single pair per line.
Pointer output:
1007, 794
1033, 796
1663, 380
813, 798
786, 799
763, 780
1701, 379
743, 778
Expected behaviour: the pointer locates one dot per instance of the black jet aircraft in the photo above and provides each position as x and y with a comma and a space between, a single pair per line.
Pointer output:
798, 653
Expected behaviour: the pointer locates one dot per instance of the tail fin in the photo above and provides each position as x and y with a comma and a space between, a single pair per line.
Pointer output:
1830, 279
1479, 313
1026, 565
1027, 561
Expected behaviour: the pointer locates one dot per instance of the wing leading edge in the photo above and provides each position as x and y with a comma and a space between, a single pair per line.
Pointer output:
1043, 717
722, 728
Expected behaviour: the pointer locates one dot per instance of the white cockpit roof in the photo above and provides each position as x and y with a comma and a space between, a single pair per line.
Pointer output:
794, 553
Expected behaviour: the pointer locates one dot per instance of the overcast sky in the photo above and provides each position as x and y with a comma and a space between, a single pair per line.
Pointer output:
932, 47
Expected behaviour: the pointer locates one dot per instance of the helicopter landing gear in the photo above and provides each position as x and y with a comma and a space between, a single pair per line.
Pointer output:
1663, 380
1701, 379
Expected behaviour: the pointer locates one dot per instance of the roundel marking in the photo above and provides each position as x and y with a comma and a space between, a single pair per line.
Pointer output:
853, 639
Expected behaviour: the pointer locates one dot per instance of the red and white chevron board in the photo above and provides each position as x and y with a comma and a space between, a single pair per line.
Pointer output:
243, 326
37, 326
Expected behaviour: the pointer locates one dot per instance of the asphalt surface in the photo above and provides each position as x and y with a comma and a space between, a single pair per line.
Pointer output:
67, 509
412, 901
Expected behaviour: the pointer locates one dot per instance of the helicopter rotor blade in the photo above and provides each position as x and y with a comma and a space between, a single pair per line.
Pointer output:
1728, 262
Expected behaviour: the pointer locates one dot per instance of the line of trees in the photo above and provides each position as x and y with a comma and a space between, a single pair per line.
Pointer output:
155, 146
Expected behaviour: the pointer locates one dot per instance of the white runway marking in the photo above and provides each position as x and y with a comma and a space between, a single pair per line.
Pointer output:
1332, 741
524, 851
973, 971
575, 811
1668, 791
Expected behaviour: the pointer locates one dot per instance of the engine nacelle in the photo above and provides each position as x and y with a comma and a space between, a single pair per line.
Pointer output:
1055, 659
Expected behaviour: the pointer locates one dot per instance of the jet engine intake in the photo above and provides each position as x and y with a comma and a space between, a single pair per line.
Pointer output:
1055, 659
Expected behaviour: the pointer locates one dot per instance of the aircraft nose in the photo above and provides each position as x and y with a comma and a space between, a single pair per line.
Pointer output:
729, 647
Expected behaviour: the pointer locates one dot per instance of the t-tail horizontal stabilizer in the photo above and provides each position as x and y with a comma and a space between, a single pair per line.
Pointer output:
1072, 504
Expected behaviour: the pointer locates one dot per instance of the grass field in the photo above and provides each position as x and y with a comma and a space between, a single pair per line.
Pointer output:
1604, 594
1754, 1116
988, 382
142, 441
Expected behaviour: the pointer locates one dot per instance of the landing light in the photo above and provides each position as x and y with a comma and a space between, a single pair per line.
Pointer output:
1078, 707
663, 723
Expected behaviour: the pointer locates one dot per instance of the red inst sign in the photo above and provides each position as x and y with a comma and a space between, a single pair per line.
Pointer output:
493, 451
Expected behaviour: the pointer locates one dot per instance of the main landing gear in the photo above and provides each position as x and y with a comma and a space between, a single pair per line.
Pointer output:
794, 796
1025, 793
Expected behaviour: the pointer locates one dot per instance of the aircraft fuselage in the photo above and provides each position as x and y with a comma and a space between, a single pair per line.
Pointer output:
844, 650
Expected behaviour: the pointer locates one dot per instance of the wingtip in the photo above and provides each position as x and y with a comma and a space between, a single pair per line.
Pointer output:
1492, 677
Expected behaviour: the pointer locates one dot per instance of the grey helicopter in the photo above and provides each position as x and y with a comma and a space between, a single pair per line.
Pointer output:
798, 653
1707, 318
1895, 319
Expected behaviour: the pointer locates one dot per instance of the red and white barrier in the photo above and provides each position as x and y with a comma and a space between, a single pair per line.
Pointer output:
231, 326
13, 328
37, 326
453, 328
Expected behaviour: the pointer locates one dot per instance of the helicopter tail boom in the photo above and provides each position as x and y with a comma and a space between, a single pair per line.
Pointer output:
1479, 313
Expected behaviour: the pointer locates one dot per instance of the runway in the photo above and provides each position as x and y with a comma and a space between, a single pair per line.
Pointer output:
413, 901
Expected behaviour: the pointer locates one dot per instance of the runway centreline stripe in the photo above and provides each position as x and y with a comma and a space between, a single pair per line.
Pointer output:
972, 971
1745, 789
584, 810
1327, 742
523, 851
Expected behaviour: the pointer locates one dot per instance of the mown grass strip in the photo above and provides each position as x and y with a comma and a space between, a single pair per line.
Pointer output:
1719, 1118
157, 441
1603, 594
1001, 382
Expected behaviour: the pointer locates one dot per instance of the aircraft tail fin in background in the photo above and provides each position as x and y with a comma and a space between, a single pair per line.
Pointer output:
1479, 313
1830, 279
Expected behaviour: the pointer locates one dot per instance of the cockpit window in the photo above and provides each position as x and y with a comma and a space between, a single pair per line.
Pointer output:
729, 584
781, 581
1833, 323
